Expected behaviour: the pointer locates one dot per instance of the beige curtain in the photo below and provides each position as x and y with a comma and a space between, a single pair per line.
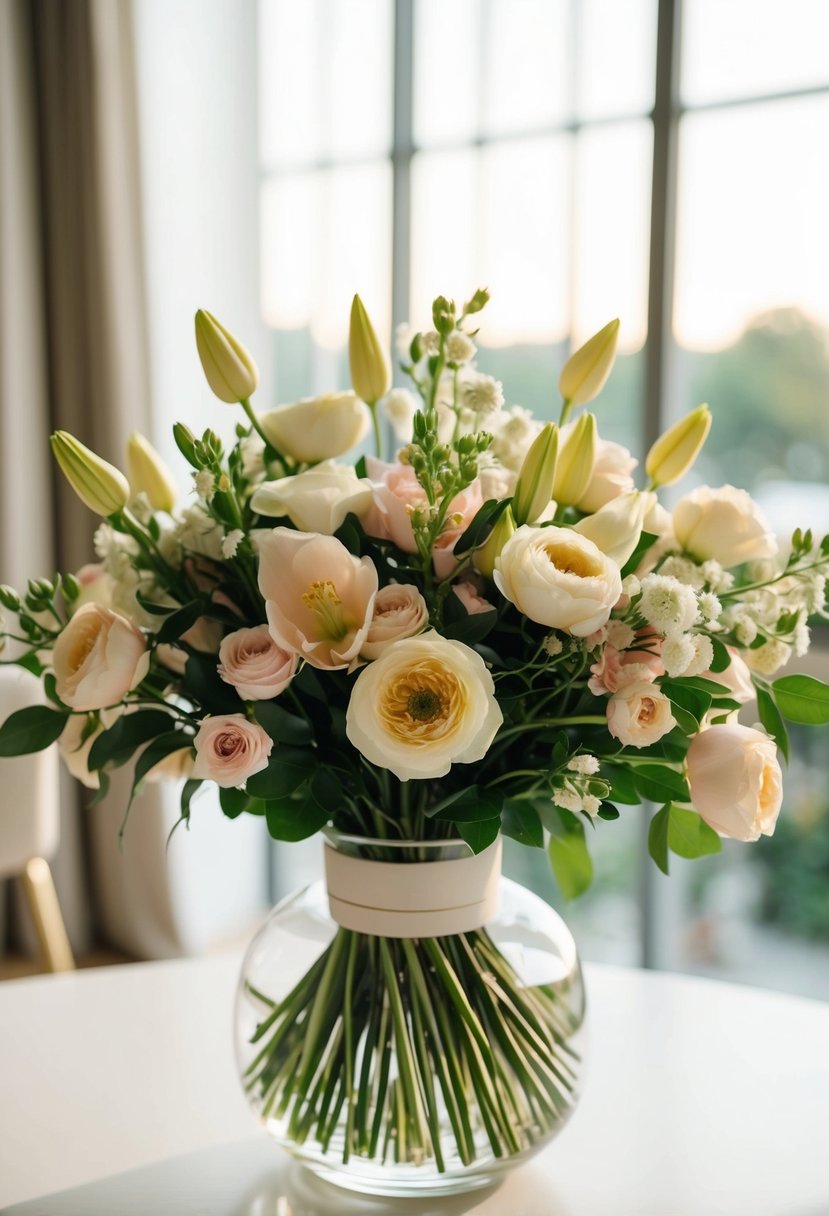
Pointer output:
73, 339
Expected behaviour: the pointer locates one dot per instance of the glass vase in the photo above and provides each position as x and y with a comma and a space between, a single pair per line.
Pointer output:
394, 1055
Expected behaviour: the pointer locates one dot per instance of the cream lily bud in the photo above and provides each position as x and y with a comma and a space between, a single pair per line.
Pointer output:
674, 452
228, 367
575, 462
148, 474
616, 527
484, 558
102, 487
370, 374
585, 372
534, 488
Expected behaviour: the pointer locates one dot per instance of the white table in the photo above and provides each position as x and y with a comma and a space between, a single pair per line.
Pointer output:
701, 1098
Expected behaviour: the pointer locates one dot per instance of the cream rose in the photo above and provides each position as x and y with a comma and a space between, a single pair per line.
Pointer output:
558, 578
427, 703
317, 500
178, 766
611, 476
317, 428
735, 780
98, 658
639, 714
736, 678
319, 599
96, 586
400, 611
724, 525
255, 665
229, 749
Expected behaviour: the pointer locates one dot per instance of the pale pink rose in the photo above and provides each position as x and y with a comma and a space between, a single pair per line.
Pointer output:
205, 635
229, 749
736, 678
735, 781
75, 754
471, 600
98, 658
319, 599
255, 665
400, 611
616, 669
396, 493
611, 476
639, 714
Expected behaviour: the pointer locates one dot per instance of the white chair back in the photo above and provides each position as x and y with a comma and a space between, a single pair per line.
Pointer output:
29, 798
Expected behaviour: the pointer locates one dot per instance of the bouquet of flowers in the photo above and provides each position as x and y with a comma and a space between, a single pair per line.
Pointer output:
495, 632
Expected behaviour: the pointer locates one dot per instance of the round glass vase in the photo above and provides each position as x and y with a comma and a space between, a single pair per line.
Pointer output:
397, 1063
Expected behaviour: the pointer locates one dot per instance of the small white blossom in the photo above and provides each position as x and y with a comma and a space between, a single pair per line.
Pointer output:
460, 348
400, 406
199, 533
814, 592
585, 764
231, 542
205, 483
169, 547
770, 657
677, 654
482, 395
552, 645
717, 578
631, 586
667, 604
709, 606
619, 634
745, 628
703, 655
685, 570
568, 799
430, 342
252, 451
591, 804
801, 638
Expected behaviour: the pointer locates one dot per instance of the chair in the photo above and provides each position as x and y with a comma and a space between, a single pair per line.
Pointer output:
29, 824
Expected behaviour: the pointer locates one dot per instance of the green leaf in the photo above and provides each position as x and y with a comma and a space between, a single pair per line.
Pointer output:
622, 785
722, 659
180, 621
203, 683
294, 818
189, 789
659, 784
608, 811
658, 839
31, 730
569, 855
802, 699
646, 539
481, 526
688, 698
772, 719
689, 835
160, 748
468, 806
281, 725
520, 821
479, 835
234, 802
288, 769
116, 745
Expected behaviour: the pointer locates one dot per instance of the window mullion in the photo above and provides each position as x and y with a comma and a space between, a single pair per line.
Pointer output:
402, 153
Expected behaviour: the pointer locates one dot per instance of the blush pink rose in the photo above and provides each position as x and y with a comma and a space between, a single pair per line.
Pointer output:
400, 611
471, 600
98, 658
616, 669
229, 749
639, 714
256, 666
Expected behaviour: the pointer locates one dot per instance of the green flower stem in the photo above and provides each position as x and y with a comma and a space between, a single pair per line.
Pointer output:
378, 437
257, 426
543, 723
566, 407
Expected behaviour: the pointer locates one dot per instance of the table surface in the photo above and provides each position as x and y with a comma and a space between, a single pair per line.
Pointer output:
700, 1097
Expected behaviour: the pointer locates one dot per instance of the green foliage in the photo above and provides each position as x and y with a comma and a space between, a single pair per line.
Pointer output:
568, 853
802, 699
31, 730
681, 831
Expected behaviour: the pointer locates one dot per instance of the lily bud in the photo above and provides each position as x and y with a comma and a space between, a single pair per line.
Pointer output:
616, 527
534, 488
484, 558
228, 367
585, 372
370, 374
102, 487
575, 462
674, 452
148, 474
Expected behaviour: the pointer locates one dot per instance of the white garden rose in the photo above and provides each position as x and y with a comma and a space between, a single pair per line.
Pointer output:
735, 780
400, 611
639, 715
724, 525
317, 500
317, 428
98, 658
558, 578
427, 703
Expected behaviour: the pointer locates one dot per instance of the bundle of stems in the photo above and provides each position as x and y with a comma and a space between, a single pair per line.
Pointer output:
416, 1051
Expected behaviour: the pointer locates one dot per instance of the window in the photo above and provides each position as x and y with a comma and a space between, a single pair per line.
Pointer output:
660, 161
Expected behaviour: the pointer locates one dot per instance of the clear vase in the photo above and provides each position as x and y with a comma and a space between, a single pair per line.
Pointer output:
394, 1063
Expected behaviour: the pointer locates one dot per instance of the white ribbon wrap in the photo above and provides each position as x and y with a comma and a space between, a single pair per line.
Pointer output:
416, 899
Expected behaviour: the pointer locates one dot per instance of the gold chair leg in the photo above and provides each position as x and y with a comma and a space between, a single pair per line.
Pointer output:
42, 898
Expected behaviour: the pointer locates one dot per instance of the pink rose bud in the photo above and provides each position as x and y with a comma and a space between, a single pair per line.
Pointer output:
229, 749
